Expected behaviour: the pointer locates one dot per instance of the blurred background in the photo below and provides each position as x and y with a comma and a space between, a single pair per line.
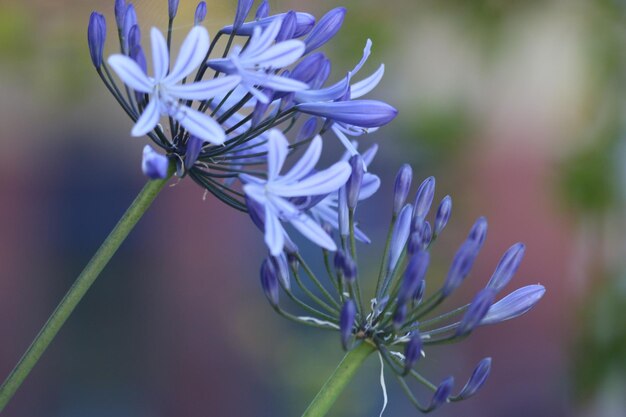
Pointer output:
516, 107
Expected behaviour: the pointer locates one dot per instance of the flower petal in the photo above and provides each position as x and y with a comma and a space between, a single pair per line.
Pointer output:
263, 39
361, 88
277, 56
160, 55
204, 90
278, 148
323, 182
274, 82
274, 232
515, 304
313, 231
200, 125
192, 53
130, 73
148, 120
305, 164
369, 186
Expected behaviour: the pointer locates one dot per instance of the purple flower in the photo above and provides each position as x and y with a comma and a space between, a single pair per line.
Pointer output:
412, 351
325, 29
401, 187
274, 192
361, 113
441, 394
166, 92
424, 199
305, 23
200, 13
476, 380
507, 267
269, 282
172, 8
443, 214
477, 311
346, 321
514, 305
243, 8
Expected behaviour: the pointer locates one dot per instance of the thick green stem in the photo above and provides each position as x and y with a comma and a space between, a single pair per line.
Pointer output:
335, 385
79, 288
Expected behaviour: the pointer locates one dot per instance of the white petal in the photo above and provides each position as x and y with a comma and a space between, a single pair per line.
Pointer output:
278, 148
149, 118
274, 238
192, 53
130, 73
160, 55
313, 231
262, 40
306, 163
200, 125
369, 186
274, 82
277, 56
204, 90
363, 87
323, 182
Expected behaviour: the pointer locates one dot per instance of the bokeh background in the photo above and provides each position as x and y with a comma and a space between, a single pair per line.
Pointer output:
516, 107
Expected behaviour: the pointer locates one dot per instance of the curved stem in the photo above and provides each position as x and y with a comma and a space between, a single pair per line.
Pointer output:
336, 383
86, 278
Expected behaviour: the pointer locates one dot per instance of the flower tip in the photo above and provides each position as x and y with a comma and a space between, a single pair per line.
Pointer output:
96, 36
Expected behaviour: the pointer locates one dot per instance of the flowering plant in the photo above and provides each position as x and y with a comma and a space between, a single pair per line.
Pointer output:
223, 120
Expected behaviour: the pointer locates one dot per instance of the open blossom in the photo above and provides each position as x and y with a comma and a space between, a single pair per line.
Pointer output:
165, 90
301, 180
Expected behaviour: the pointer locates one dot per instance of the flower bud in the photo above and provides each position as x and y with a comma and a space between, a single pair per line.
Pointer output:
346, 322
442, 394
308, 68
308, 129
200, 13
476, 312
288, 27
172, 8
399, 235
345, 265
96, 36
508, 265
414, 274
269, 282
412, 351
478, 233
514, 304
461, 266
443, 214
401, 187
476, 380
194, 146
243, 8
282, 270
353, 186
120, 13
424, 198
263, 10
154, 165
325, 29
399, 316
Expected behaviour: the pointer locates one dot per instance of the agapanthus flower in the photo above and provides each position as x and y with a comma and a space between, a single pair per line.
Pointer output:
403, 321
211, 109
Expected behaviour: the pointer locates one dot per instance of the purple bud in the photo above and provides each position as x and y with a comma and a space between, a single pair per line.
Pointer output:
308, 129
96, 36
426, 234
401, 187
154, 165
130, 20
443, 214
414, 274
476, 380
360, 113
172, 8
461, 266
442, 394
194, 146
476, 312
412, 351
263, 10
399, 236
515, 304
353, 186
293, 261
345, 265
325, 29
415, 241
281, 267
137, 55
308, 68
243, 8
269, 282
424, 198
120, 12
399, 316
418, 295
200, 13
478, 233
134, 37
322, 75
256, 211
288, 27
342, 209
508, 265
346, 322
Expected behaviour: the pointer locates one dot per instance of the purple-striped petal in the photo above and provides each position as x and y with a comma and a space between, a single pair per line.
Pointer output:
325, 29
148, 119
160, 55
204, 90
274, 232
323, 182
278, 148
192, 53
200, 125
314, 232
362, 113
515, 304
306, 163
154, 165
361, 88
278, 56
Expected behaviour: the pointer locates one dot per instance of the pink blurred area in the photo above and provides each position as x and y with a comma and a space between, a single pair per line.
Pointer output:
177, 324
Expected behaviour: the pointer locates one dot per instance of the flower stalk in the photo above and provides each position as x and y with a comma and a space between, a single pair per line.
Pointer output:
337, 382
77, 291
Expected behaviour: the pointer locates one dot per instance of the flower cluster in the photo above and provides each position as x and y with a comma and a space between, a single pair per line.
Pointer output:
400, 321
211, 110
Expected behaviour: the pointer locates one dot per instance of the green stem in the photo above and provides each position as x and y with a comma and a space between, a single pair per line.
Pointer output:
336, 383
79, 288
